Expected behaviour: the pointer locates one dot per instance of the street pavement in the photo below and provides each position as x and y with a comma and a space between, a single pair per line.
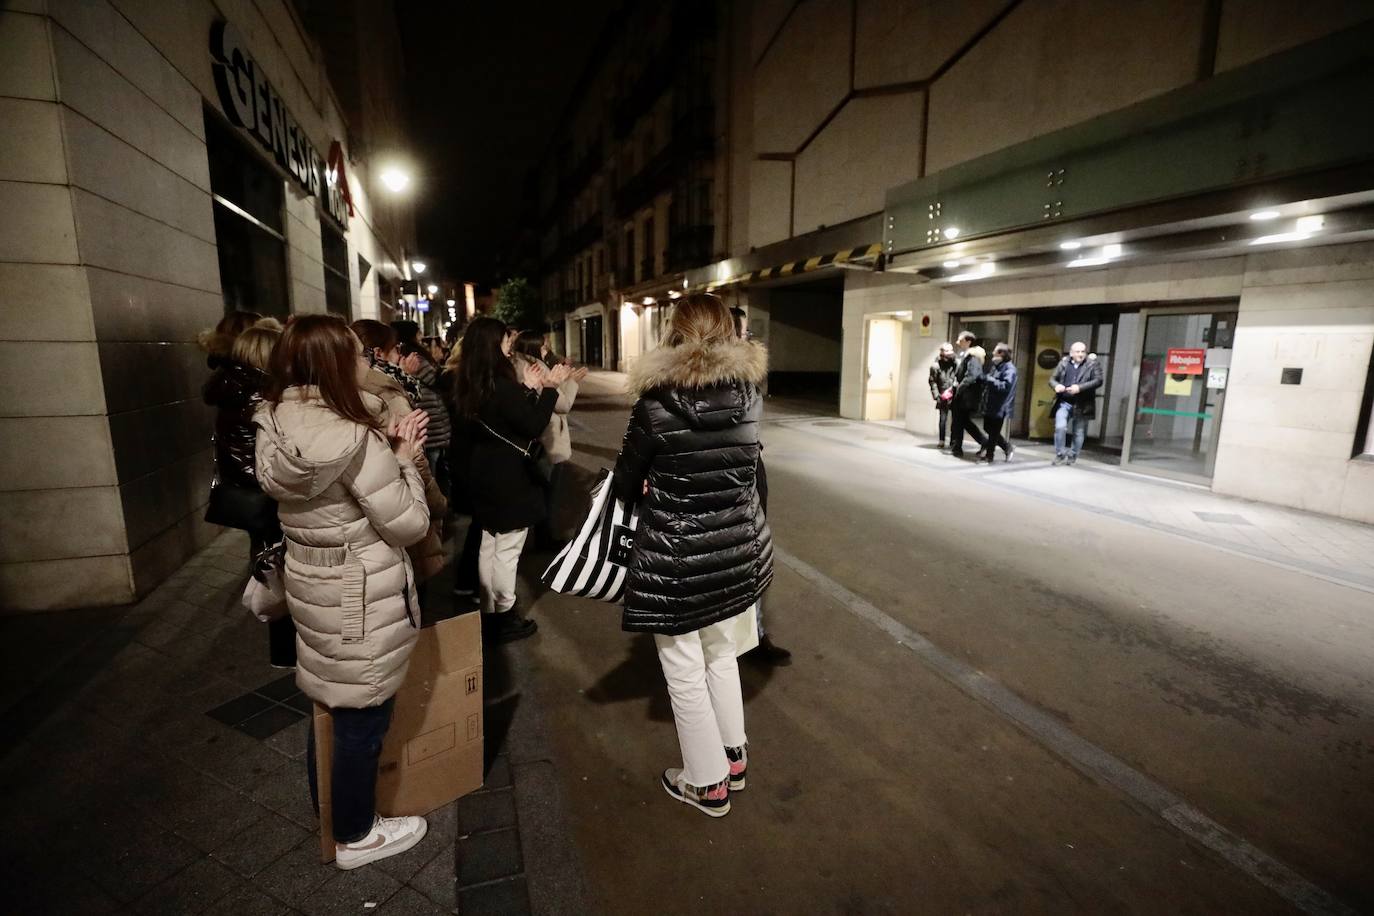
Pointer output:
1021, 688
1015, 689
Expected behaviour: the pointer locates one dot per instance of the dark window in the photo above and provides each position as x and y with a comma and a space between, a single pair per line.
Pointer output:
248, 198
648, 266
628, 264
337, 288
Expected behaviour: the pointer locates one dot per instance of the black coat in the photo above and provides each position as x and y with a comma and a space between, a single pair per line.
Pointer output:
503, 485
942, 378
999, 390
1089, 380
703, 551
968, 382
235, 391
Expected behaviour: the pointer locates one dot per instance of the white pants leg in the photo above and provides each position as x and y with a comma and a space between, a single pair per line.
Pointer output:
497, 561
708, 708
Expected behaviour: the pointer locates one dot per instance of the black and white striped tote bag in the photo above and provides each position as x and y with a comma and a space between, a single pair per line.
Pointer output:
593, 564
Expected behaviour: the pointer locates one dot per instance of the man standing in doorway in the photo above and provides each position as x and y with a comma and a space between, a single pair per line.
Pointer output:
942, 385
1075, 382
968, 394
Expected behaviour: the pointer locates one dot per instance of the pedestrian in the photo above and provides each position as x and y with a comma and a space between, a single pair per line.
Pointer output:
766, 652
506, 418
218, 342
942, 385
235, 390
466, 587
999, 400
702, 551
1075, 382
417, 362
556, 439
968, 394
379, 341
350, 501
407, 332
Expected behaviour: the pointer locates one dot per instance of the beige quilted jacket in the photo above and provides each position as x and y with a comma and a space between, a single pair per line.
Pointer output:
348, 509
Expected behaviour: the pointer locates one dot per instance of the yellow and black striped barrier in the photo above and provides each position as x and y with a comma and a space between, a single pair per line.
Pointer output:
800, 267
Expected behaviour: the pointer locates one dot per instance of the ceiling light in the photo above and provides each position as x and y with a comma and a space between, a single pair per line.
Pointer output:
648, 300
674, 294
1310, 223
952, 232
417, 266
987, 268
950, 265
450, 302
1070, 245
432, 289
1111, 251
1303, 228
1260, 216
1105, 255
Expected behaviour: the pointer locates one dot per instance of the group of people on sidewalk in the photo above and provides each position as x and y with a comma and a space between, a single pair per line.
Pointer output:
342, 450
964, 389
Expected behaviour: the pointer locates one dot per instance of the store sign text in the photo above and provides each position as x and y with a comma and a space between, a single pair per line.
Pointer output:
1178, 361
252, 104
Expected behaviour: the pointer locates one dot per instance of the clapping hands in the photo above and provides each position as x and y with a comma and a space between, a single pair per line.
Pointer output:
408, 435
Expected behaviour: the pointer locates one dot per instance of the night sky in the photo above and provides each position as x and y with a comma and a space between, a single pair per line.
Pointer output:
487, 83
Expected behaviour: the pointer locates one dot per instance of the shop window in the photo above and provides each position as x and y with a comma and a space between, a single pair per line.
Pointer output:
337, 288
248, 198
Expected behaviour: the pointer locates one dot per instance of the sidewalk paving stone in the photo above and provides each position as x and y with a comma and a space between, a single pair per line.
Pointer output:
348, 892
192, 890
410, 902
486, 811
261, 843
509, 897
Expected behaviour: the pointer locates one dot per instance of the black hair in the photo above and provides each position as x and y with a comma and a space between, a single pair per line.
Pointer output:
529, 343
481, 364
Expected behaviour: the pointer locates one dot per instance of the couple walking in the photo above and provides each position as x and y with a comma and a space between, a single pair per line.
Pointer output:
963, 389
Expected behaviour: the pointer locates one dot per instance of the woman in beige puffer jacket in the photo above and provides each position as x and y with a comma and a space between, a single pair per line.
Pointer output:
349, 502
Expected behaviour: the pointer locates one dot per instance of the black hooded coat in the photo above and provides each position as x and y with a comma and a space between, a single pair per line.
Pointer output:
702, 551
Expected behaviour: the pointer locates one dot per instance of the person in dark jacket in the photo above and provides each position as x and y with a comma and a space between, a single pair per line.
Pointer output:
999, 400
235, 390
942, 383
417, 362
1075, 382
703, 553
968, 394
506, 416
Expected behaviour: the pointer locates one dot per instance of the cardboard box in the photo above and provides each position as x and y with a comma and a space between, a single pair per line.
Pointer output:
433, 750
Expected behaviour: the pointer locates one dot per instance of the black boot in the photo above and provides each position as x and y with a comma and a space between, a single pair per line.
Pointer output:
507, 626
769, 653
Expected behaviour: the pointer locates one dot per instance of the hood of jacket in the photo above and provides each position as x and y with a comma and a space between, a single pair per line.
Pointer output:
699, 365
232, 386
711, 385
309, 446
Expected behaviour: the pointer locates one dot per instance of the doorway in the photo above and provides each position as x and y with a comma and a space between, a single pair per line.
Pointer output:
1185, 358
591, 341
884, 367
1054, 332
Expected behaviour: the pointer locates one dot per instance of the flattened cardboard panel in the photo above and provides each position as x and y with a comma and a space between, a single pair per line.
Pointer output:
431, 744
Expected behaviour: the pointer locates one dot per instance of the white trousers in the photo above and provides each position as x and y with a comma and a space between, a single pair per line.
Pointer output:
496, 566
708, 709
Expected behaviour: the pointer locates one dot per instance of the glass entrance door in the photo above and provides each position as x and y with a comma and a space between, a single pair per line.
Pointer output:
1184, 363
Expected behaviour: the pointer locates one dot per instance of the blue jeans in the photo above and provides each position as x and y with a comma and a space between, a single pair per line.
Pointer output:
1063, 416
358, 735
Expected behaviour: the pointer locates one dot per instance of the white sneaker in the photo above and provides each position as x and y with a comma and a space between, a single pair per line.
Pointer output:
389, 836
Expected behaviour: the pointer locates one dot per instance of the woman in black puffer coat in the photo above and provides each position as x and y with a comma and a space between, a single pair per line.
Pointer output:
703, 553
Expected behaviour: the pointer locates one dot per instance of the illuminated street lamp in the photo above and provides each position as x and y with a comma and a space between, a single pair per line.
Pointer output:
417, 266
432, 289
395, 179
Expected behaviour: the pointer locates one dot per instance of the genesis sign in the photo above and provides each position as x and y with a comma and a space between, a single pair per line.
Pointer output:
252, 104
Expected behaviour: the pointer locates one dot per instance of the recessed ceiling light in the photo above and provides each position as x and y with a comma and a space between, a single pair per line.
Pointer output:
1260, 216
952, 232
1310, 223
1111, 251
950, 265
1071, 245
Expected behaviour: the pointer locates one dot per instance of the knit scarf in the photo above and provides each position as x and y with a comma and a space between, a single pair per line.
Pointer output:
411, 386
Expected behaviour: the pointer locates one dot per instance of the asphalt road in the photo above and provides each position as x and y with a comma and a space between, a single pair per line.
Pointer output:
1158, 681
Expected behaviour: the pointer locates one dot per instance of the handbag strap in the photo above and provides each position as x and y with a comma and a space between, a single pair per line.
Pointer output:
525, 450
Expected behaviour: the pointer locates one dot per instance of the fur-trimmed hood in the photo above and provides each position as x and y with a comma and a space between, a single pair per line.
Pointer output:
699, 366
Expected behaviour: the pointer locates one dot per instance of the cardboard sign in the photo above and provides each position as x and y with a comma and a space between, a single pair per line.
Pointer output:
433, 749
1185, 361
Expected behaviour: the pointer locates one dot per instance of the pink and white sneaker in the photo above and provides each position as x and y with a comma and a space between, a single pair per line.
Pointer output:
739, 763
712, 800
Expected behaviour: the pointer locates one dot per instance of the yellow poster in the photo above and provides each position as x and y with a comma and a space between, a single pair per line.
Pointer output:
1049, 347
1179, 386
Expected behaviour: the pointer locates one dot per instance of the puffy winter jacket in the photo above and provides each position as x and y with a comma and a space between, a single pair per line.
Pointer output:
703, 551
440, 424
348, 509
999, 390
235, 391
429, 556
